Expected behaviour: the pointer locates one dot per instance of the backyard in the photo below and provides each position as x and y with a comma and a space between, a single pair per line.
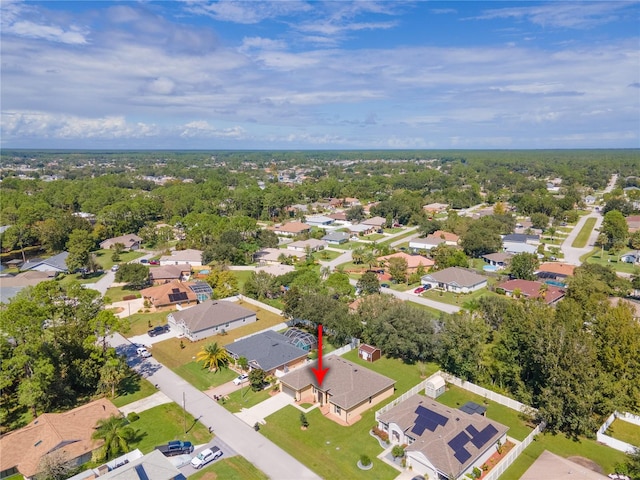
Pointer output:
458, 298
605, 259
625, 432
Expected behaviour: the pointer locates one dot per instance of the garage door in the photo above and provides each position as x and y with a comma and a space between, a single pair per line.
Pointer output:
289, 391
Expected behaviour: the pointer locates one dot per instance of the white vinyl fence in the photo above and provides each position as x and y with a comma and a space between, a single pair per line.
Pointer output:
602, 437
513, 454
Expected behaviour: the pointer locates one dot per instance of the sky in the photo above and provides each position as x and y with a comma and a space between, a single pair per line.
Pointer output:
319, 75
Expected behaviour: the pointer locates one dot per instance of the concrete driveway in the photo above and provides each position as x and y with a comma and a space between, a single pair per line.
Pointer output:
259, 412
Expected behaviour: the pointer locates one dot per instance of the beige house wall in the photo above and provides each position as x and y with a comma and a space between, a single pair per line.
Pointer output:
348, 415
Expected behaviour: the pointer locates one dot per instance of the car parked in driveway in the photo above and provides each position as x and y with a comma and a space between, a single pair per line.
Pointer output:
143, 352
205, 456
175, 447
154, 262
385, 285
419, 290
240, 378
159, 330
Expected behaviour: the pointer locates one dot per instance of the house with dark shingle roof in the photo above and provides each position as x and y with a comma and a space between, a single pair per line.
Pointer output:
346, 391
57, 263
210, 318
268, 351
336, 238
455, 279
442, 442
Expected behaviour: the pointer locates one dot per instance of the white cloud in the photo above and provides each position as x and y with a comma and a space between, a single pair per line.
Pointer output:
161, 86
202, 129
246, 12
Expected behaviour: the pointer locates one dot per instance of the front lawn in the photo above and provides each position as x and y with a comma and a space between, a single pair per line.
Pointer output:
166, 422
455, 397
456, 298
607, 260
327, 448
244, 398
203, 378
230, 468
374, 237
326, 255
117, 294
132, 389
625, 432
103, 257
604, 456
140, 323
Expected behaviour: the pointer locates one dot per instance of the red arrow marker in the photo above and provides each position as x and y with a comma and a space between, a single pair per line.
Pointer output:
320, 372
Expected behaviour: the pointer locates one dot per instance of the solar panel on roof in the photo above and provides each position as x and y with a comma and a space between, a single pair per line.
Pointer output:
484, 436
459, 441
473, 431
432, 419
177, 297
462, 455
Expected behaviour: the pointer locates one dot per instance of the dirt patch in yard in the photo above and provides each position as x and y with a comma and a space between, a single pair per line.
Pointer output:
585, 462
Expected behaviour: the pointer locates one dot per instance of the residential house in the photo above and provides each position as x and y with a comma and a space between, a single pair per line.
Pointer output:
183, 257
276, 269
312, 245
516, 248
210, 318
630, 258
269, 351
550, 294
202, 290
292, 229
434, 208
130, 242
319, 221
377, 222
172, 293
555, 272
338, 216
335, 202
273, 256
634, 305
449, 238
369, 353
56, 264
360, 229
169, 273
529, 239
499, 259
633, 222
554, 467
442, 442
433, 240
351, 202
346, 391
336, 238
455, 279
413, 261
11, 285
68, 434
152, 466
589, 199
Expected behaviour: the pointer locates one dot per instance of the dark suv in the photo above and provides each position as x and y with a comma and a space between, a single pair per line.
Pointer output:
159, 330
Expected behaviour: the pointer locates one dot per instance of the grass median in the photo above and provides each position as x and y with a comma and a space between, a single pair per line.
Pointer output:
583, 236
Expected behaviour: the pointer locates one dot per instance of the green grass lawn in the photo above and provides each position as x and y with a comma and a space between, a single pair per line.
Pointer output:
399, 237
326, 255
612, 261
202, 378
456, 397
456, 298
583, 235
132, 389
374, 237
244, 398
327, 448
166, 422
393, 230
625, 432
139, 322
103, 257
242, 276
77, 277
604, 456
230, 468
117, 294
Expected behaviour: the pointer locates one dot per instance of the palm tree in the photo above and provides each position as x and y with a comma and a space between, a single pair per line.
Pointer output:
243, 363
116, 433
213, 356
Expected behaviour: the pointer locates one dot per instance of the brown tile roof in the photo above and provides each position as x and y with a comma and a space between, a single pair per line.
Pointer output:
168, 272
338, 216
531, 289
499, 257
375, 221
69, 432
413, 261
446, 236
293, 227
557, 268
210, 314
164, 294
434, 444
346, 383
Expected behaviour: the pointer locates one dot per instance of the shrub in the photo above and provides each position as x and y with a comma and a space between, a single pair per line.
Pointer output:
365, 460
381, 434
132, 417
303, 420
397, 451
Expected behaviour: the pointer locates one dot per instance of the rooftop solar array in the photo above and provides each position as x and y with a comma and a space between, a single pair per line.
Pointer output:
457, 444
178, 297
482, 437
427, 420
477, 438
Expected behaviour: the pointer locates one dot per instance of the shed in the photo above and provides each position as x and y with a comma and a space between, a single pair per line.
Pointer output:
435, 386
369, 353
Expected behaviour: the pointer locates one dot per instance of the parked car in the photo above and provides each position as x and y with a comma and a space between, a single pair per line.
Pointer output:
143, 352
419, 290
154, 262
205, 456
144, 260
159, 330
426, 287
175, 447
384, 285
115, 268
240, 378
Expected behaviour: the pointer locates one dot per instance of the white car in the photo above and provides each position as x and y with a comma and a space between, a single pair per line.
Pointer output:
143, 352
205, 456
240, 378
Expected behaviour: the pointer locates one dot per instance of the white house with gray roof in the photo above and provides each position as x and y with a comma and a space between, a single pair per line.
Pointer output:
210, 318
455, 279
269, 351
336, 238
57, 263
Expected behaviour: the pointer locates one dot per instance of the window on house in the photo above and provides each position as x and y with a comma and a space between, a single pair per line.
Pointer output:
338, 410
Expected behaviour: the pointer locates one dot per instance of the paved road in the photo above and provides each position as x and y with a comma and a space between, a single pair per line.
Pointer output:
102, 284
265, 455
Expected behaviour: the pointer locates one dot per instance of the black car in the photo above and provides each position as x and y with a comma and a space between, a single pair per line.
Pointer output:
159, 330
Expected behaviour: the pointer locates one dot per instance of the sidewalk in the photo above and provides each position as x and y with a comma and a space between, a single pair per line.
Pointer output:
154, 400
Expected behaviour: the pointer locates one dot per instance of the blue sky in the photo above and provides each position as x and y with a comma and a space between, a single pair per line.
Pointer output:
320, 75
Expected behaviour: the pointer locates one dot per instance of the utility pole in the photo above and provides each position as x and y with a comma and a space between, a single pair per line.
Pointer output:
184, 412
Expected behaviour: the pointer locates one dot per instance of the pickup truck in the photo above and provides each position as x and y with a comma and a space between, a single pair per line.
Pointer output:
175, 447
159, 330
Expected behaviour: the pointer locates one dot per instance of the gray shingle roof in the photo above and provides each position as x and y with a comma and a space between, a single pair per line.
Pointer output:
57, 261
347, 384
267, 350
456, 275
211, 314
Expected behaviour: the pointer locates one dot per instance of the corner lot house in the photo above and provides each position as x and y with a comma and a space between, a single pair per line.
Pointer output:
69, 432
183, 257
347, 389
210, 318
57, 263
130, 242
455, 279
269, 351
443, 442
